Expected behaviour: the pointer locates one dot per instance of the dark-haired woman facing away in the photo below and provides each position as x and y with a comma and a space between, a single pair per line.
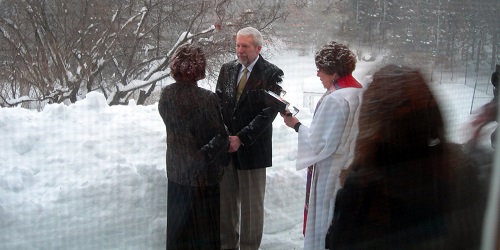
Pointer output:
407, 187
197, 143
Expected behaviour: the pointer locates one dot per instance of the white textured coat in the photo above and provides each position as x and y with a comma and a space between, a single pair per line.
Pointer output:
329, 145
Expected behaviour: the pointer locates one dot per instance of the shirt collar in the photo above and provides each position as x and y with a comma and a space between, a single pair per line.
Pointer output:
332, 88
250, 67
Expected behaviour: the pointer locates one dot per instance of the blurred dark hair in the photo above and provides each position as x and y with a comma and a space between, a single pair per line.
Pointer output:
188, 64
335, 57
398, 115
425, 192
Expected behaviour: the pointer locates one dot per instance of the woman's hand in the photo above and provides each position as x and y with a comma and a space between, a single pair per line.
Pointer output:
289, 120
234, 143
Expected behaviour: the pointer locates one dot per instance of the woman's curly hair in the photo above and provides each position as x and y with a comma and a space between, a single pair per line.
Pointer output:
337, 58
188, 64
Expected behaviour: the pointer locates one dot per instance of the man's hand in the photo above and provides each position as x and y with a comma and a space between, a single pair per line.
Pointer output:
234, 143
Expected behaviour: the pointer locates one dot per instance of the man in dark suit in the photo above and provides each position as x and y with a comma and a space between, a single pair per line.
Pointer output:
249, 121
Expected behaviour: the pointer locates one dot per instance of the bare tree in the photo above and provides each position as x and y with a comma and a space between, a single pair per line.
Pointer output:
57, 51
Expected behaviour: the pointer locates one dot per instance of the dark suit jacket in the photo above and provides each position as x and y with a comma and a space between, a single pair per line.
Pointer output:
197, 141
251, 118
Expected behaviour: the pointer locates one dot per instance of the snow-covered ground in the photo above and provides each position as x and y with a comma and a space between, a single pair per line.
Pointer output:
90, 176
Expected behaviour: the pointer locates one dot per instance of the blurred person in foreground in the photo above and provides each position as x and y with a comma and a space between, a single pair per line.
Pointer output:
480, 149
327, 146
197, 145
486, 116
487, 113
249, 120
408, 188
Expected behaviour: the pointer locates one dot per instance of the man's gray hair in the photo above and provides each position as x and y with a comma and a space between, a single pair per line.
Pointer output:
254, 33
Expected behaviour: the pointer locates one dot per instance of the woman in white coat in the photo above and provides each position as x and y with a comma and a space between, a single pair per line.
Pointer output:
326, 147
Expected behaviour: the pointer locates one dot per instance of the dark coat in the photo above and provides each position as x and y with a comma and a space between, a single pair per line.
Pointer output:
251, 118
403, 205
495, 79
197, 141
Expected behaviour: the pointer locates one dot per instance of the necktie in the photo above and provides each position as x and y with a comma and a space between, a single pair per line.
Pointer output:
241, 84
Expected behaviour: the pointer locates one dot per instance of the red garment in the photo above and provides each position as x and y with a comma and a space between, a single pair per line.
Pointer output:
348, 81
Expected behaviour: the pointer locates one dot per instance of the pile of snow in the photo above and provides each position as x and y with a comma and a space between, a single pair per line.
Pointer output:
90, 176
